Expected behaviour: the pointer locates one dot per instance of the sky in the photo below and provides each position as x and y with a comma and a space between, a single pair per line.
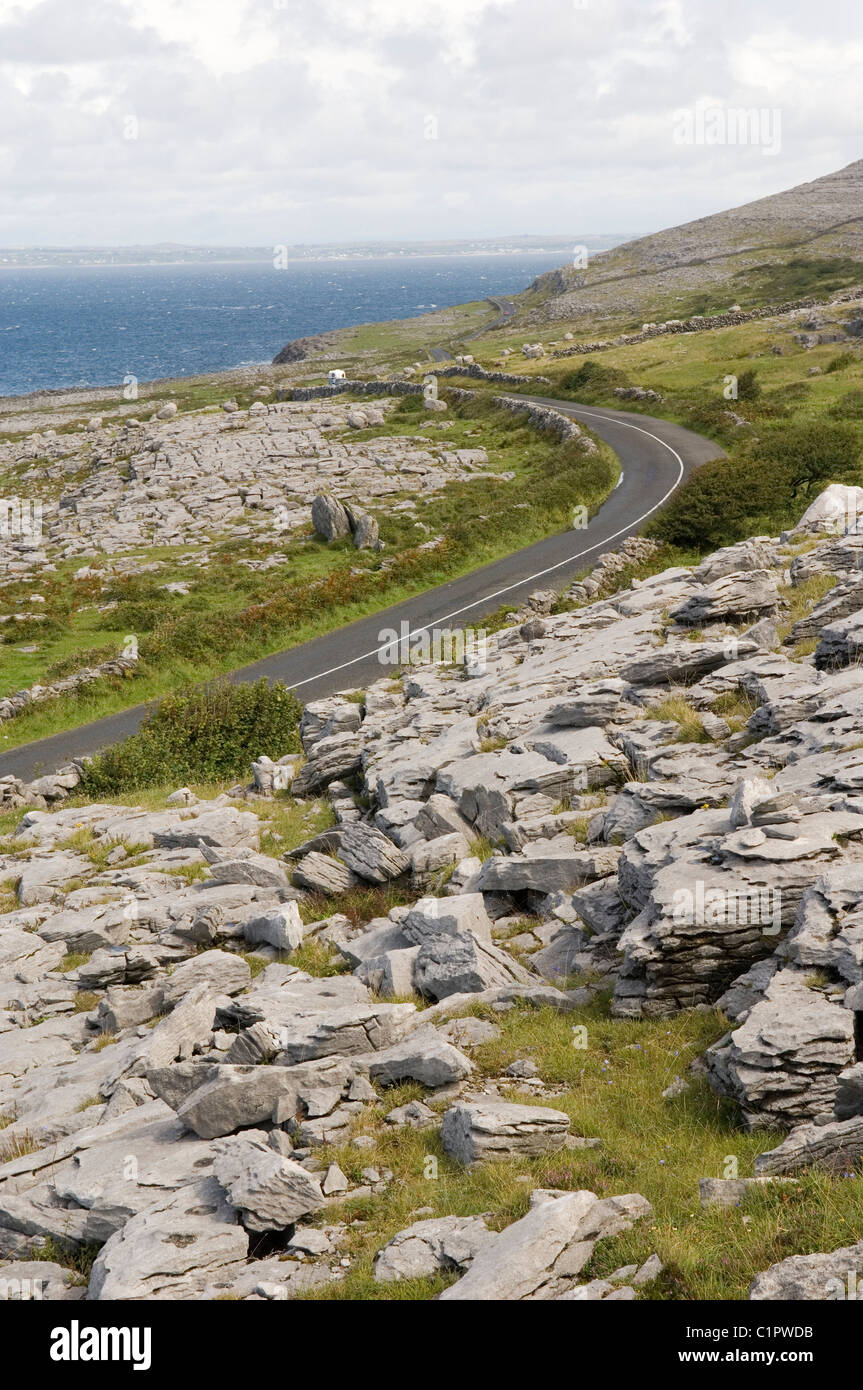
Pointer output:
270, 122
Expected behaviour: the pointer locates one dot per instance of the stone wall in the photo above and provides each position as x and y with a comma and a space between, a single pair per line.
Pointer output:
699, 322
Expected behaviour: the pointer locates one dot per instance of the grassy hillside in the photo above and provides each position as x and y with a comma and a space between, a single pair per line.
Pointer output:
233, 615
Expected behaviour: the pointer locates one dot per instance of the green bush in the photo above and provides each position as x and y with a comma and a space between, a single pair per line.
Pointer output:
763, 490
200, 735
748, 385
141, 616
716, 506
840, 362
809, 452
799, 278
76, 661
593, 381
706, 414
848, 407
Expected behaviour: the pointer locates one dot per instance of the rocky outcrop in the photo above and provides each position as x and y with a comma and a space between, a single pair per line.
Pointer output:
608, 806
813, 1278
541, 1256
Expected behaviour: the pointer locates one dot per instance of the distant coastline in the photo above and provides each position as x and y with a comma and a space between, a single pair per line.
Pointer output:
100, 258
298, 260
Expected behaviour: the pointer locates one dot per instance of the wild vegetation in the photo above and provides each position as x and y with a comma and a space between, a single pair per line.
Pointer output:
200, 735
234, 615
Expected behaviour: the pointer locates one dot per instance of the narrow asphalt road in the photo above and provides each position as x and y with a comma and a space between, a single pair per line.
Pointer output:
655, 457
506, 312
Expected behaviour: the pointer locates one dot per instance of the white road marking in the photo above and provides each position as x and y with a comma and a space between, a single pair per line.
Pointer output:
531, 578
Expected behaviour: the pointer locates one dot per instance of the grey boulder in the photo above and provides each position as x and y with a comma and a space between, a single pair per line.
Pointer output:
330, 518
496, 1130
423, 1056
464, 965
368, 852
539, 1256
431, 1247
269, 1191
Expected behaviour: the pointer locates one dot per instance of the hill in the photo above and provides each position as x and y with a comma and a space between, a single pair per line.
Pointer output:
808, 239
804, 242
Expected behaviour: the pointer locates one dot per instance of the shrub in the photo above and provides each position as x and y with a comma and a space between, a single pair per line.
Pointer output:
593, 381
748, 385
840, 362
76, 661
200, 735
708, 414
848, 407
715, 506
810, 452
764, 490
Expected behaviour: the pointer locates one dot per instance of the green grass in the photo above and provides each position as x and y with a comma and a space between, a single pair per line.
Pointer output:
736, 707
72, 960
257, 964
317, 958
359, 904
189, 873
286, 823
800, 599
493, 745
233, 616
79, 1258
611, 1090
676, 709
482, 848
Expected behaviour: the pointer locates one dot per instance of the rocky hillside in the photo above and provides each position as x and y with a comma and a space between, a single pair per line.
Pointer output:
721, 258
219, 1067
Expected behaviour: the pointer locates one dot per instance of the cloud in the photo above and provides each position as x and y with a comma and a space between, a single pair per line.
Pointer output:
261, 122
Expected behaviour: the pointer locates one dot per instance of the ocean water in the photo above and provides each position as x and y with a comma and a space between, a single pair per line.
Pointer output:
91, 326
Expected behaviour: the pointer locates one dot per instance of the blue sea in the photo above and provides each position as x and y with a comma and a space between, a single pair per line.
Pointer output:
91, 326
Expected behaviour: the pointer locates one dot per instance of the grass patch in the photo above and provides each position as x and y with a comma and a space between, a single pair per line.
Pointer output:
799, 599
612, 1089
72, 959
79, 1258
736, 707
492, 745
317, 958
286, 824
19, 1147
8, 895
676, 709
359, 904
189, 873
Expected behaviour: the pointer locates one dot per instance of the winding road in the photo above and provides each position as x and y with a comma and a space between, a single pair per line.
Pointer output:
655, 456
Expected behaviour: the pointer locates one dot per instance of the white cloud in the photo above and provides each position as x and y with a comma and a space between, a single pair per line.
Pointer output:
259, 121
